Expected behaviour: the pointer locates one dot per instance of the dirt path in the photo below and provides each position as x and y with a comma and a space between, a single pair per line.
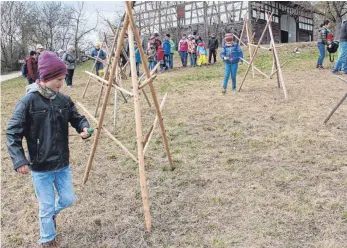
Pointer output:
9, 76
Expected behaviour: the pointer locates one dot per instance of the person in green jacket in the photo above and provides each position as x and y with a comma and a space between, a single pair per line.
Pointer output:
173, 49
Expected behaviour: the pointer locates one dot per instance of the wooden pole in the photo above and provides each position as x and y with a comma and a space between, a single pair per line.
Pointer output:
151, 130
141, 159
107, 94
108, 133
243, 29
249, 46
336, 107
154, 95
98, 103
107, 83
258, 70
254, 54
279, 72
147, 81
239, 39
277, 69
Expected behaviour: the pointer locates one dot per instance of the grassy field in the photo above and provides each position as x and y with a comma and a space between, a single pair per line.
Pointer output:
252, 169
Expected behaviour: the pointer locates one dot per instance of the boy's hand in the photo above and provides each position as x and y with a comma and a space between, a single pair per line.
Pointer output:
85, 134
226, 58
24, 169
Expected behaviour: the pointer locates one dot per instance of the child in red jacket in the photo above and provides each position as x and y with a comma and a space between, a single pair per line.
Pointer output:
160, 57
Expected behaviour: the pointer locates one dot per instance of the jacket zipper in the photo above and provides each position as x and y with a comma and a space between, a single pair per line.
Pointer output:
37, 152
55, 124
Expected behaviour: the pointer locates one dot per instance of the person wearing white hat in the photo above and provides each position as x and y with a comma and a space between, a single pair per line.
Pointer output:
39, 50
61, 53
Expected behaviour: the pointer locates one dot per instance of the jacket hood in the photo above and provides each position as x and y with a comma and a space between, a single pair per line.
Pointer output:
31, 88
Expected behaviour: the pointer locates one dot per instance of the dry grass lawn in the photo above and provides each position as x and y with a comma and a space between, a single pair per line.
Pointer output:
252, 169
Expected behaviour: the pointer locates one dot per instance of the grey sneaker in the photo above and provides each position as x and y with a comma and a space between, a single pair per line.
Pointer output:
224, 91
335, 72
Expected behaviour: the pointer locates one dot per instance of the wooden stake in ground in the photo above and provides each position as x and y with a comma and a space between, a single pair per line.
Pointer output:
148, 75
107, 94
249, 43
138, 122
254, 54
278, 66
335, 108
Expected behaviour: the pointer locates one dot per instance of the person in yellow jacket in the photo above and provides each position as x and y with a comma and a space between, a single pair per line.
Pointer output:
201, 52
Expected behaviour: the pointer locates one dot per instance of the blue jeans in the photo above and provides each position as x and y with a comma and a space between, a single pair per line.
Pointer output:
171, 60
230, 70
98, 66
321, 48
48, 205
69, 76
342, 58
184, 56
151, 65
167, 61
192, 59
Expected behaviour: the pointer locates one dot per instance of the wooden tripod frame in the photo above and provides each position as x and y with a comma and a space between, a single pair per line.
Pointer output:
142, 143
277, 67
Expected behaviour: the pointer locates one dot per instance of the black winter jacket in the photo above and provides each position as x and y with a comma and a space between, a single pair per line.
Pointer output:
44, 124
212, 43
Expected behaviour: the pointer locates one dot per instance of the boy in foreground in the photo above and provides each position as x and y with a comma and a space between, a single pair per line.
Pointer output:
42, 117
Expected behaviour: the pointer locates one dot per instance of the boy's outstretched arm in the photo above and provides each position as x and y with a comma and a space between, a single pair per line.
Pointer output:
16, 130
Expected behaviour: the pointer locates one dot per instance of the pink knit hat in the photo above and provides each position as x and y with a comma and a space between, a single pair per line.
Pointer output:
228, 36
50, 66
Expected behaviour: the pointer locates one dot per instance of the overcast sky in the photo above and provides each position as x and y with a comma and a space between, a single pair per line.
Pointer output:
107, 9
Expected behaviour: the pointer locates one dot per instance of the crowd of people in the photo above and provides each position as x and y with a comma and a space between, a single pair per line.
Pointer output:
192, 46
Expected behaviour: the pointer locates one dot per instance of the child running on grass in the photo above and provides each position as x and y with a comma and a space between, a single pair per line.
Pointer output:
42, 116
230, 54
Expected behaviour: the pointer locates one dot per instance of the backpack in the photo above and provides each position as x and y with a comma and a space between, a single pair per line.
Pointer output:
333, 49
24, 70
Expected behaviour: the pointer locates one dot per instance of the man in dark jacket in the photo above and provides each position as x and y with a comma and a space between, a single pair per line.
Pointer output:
342, 60
212, 46
31, 63
42, 116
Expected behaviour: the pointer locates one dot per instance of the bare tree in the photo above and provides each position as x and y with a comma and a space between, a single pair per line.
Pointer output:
50, 24
12, 21
79, 26
334, 11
